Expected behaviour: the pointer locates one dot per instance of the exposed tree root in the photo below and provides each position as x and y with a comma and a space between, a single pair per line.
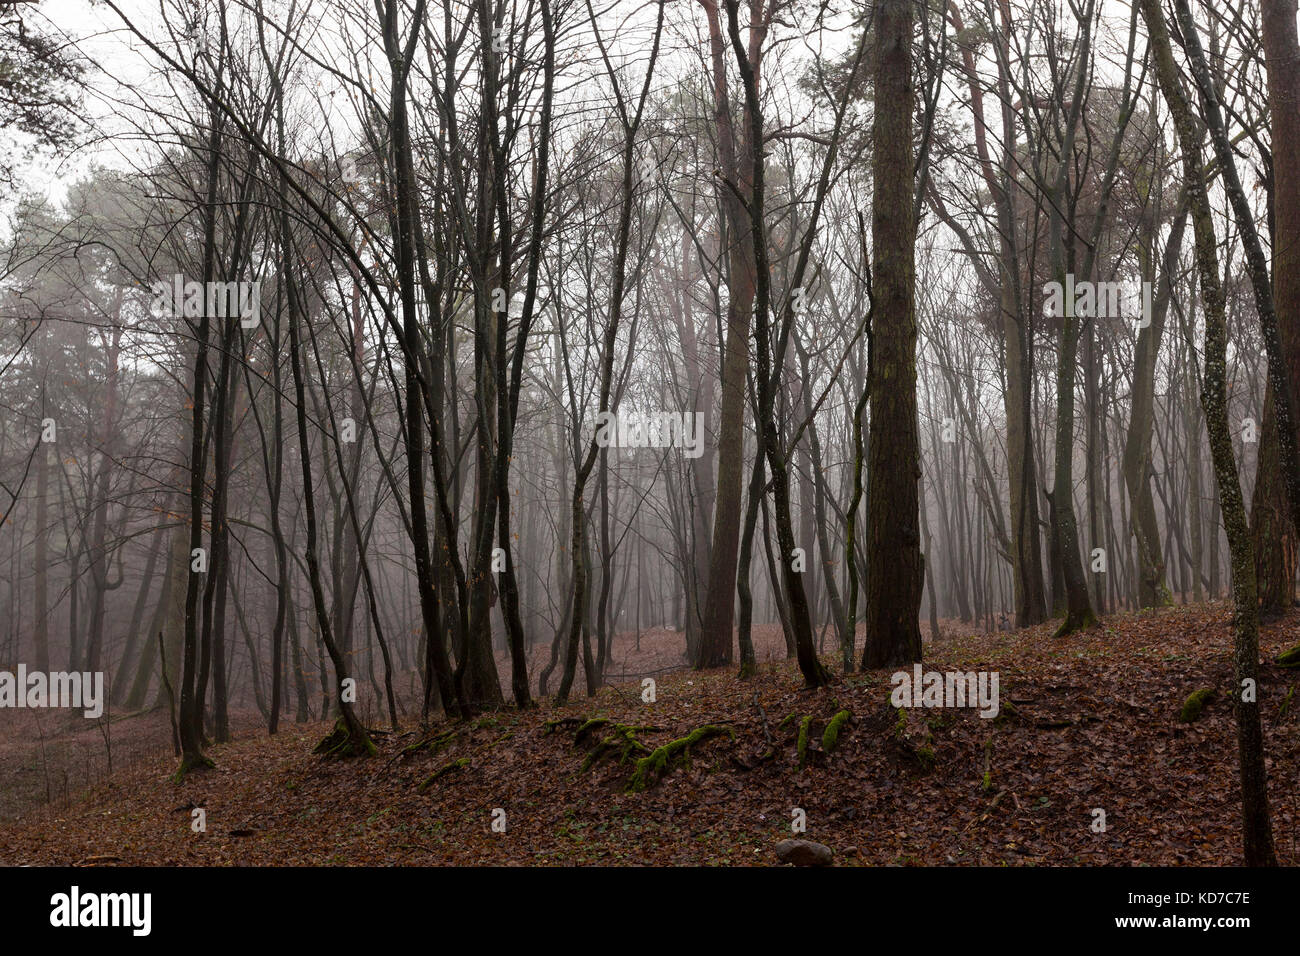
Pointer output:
831, 735
802, 745
198, 763
589, 727
1007, 712
563, 723
442, 771
433, 744
1076, 622
622, 742
1289, 658
343, 741
650, 769
1194, 704
806, 734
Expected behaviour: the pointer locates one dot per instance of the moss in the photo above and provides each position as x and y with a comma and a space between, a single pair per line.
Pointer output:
803, 739
589, 726
900, 725
622, 743
1194, 704
1006, 711
551, 726
939, 720
1289, 658
924, 754
433, 745
455, 765
1076, 622
651, 768
785, 722
831, 735
199, 763
342, 742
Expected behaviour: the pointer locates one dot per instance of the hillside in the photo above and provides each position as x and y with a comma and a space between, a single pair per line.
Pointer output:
1089, 721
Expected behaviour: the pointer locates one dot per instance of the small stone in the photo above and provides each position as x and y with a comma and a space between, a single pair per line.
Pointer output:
803, 853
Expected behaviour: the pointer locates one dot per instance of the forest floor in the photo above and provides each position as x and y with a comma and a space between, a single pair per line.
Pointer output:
1089, 721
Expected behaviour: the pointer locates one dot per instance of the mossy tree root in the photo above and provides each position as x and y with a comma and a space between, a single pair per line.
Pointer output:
187, 764
651, 768
1076, 621
432, 744
831, 735
619, 740
1289, 658
589, 727
442, 771
1194, 704
622, 742
551, 726
804, 726
345, 741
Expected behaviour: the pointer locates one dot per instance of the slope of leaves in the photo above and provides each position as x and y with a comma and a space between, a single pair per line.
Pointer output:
1087, 722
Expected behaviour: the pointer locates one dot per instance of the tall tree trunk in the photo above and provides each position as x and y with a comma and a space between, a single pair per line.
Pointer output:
631, 123
1017, 335
748, 661
157, 545
351, 737
720, 603
1257, 832
1274, 534
41, 632
191, 702
1281, 378
437, 666
896, 573
765, 379
99, 550
1152, 590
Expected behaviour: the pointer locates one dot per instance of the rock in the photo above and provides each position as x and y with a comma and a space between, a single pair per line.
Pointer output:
803, 853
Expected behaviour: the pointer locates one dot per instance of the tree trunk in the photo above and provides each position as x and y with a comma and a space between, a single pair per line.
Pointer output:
1257, 834
1274, 533
720, 603
896, 573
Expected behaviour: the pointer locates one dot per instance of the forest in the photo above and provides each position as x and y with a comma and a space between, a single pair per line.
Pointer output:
649, 432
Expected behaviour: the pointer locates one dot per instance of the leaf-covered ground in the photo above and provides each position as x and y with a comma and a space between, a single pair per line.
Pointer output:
1092, 723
